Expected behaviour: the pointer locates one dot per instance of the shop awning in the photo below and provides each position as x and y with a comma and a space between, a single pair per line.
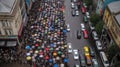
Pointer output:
11, 43
2, 43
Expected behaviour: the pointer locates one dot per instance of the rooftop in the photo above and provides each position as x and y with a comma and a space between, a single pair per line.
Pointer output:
117, 17
114, 7
6, 6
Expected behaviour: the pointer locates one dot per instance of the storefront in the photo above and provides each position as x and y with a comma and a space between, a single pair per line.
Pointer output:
8, 41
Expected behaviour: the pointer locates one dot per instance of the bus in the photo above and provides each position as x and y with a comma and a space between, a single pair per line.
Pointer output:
104, 59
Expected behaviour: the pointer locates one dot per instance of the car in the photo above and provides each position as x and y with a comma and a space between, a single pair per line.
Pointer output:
92, 28
76, 7
88, 60
92, 53
98, 45
84, 4
62, 65
95, 35
76, 65
76, 55
72, 5
86, 49
87, 15
82, 60
95, 63
74, 0
73, 13
82, 26
85, 19
77, 13
69, 47
85, 34
78, 34
83, 9
68, 27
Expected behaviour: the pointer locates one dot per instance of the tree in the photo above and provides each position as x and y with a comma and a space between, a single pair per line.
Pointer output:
117, 64
95, 18
112, 51
88, 2
99, 27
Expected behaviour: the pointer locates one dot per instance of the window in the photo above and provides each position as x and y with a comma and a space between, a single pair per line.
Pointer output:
8, 31
3, 23
6, 23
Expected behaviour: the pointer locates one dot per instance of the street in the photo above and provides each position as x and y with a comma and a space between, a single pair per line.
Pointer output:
74, 23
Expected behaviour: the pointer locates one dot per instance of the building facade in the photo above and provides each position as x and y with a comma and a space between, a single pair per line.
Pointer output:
101, 5
111, 32
12, 19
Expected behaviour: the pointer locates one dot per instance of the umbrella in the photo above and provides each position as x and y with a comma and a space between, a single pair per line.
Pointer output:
62, 55
51, 49
36, 51
41, 56
33, 46
36, 44
46, 49
28, 54
50, 60
57, 58
31, 51
27, 47
59, 52
35, 55
55, 65
38, 47
65, 60
41, 53
52, 45
54, 54
46, 57
64, 31
65, 46
28, 58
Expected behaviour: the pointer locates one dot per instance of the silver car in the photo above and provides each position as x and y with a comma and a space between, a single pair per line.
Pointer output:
69, 48
82, 26
77, 13
76, 55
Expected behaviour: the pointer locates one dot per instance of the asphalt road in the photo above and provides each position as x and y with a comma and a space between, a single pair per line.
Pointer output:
74, 23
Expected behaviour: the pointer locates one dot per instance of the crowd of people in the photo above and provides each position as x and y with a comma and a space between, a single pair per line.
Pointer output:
8, 54
45, 34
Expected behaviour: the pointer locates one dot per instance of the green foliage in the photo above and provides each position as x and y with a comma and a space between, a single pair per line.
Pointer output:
95, 18
88, 2
99, 27
117, 64
112, 51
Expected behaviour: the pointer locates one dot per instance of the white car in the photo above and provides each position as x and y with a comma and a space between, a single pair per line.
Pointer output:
68, 27
95, 35
82, 26
76, 65
87, 15
76, 55
77, 13
69, 48
99, 45
72, 5
95, 63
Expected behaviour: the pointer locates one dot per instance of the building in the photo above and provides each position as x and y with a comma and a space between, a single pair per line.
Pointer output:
111, 32
28, 4
101, 5
12, 19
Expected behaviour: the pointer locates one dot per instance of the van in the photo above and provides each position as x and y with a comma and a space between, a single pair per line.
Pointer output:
104, 59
